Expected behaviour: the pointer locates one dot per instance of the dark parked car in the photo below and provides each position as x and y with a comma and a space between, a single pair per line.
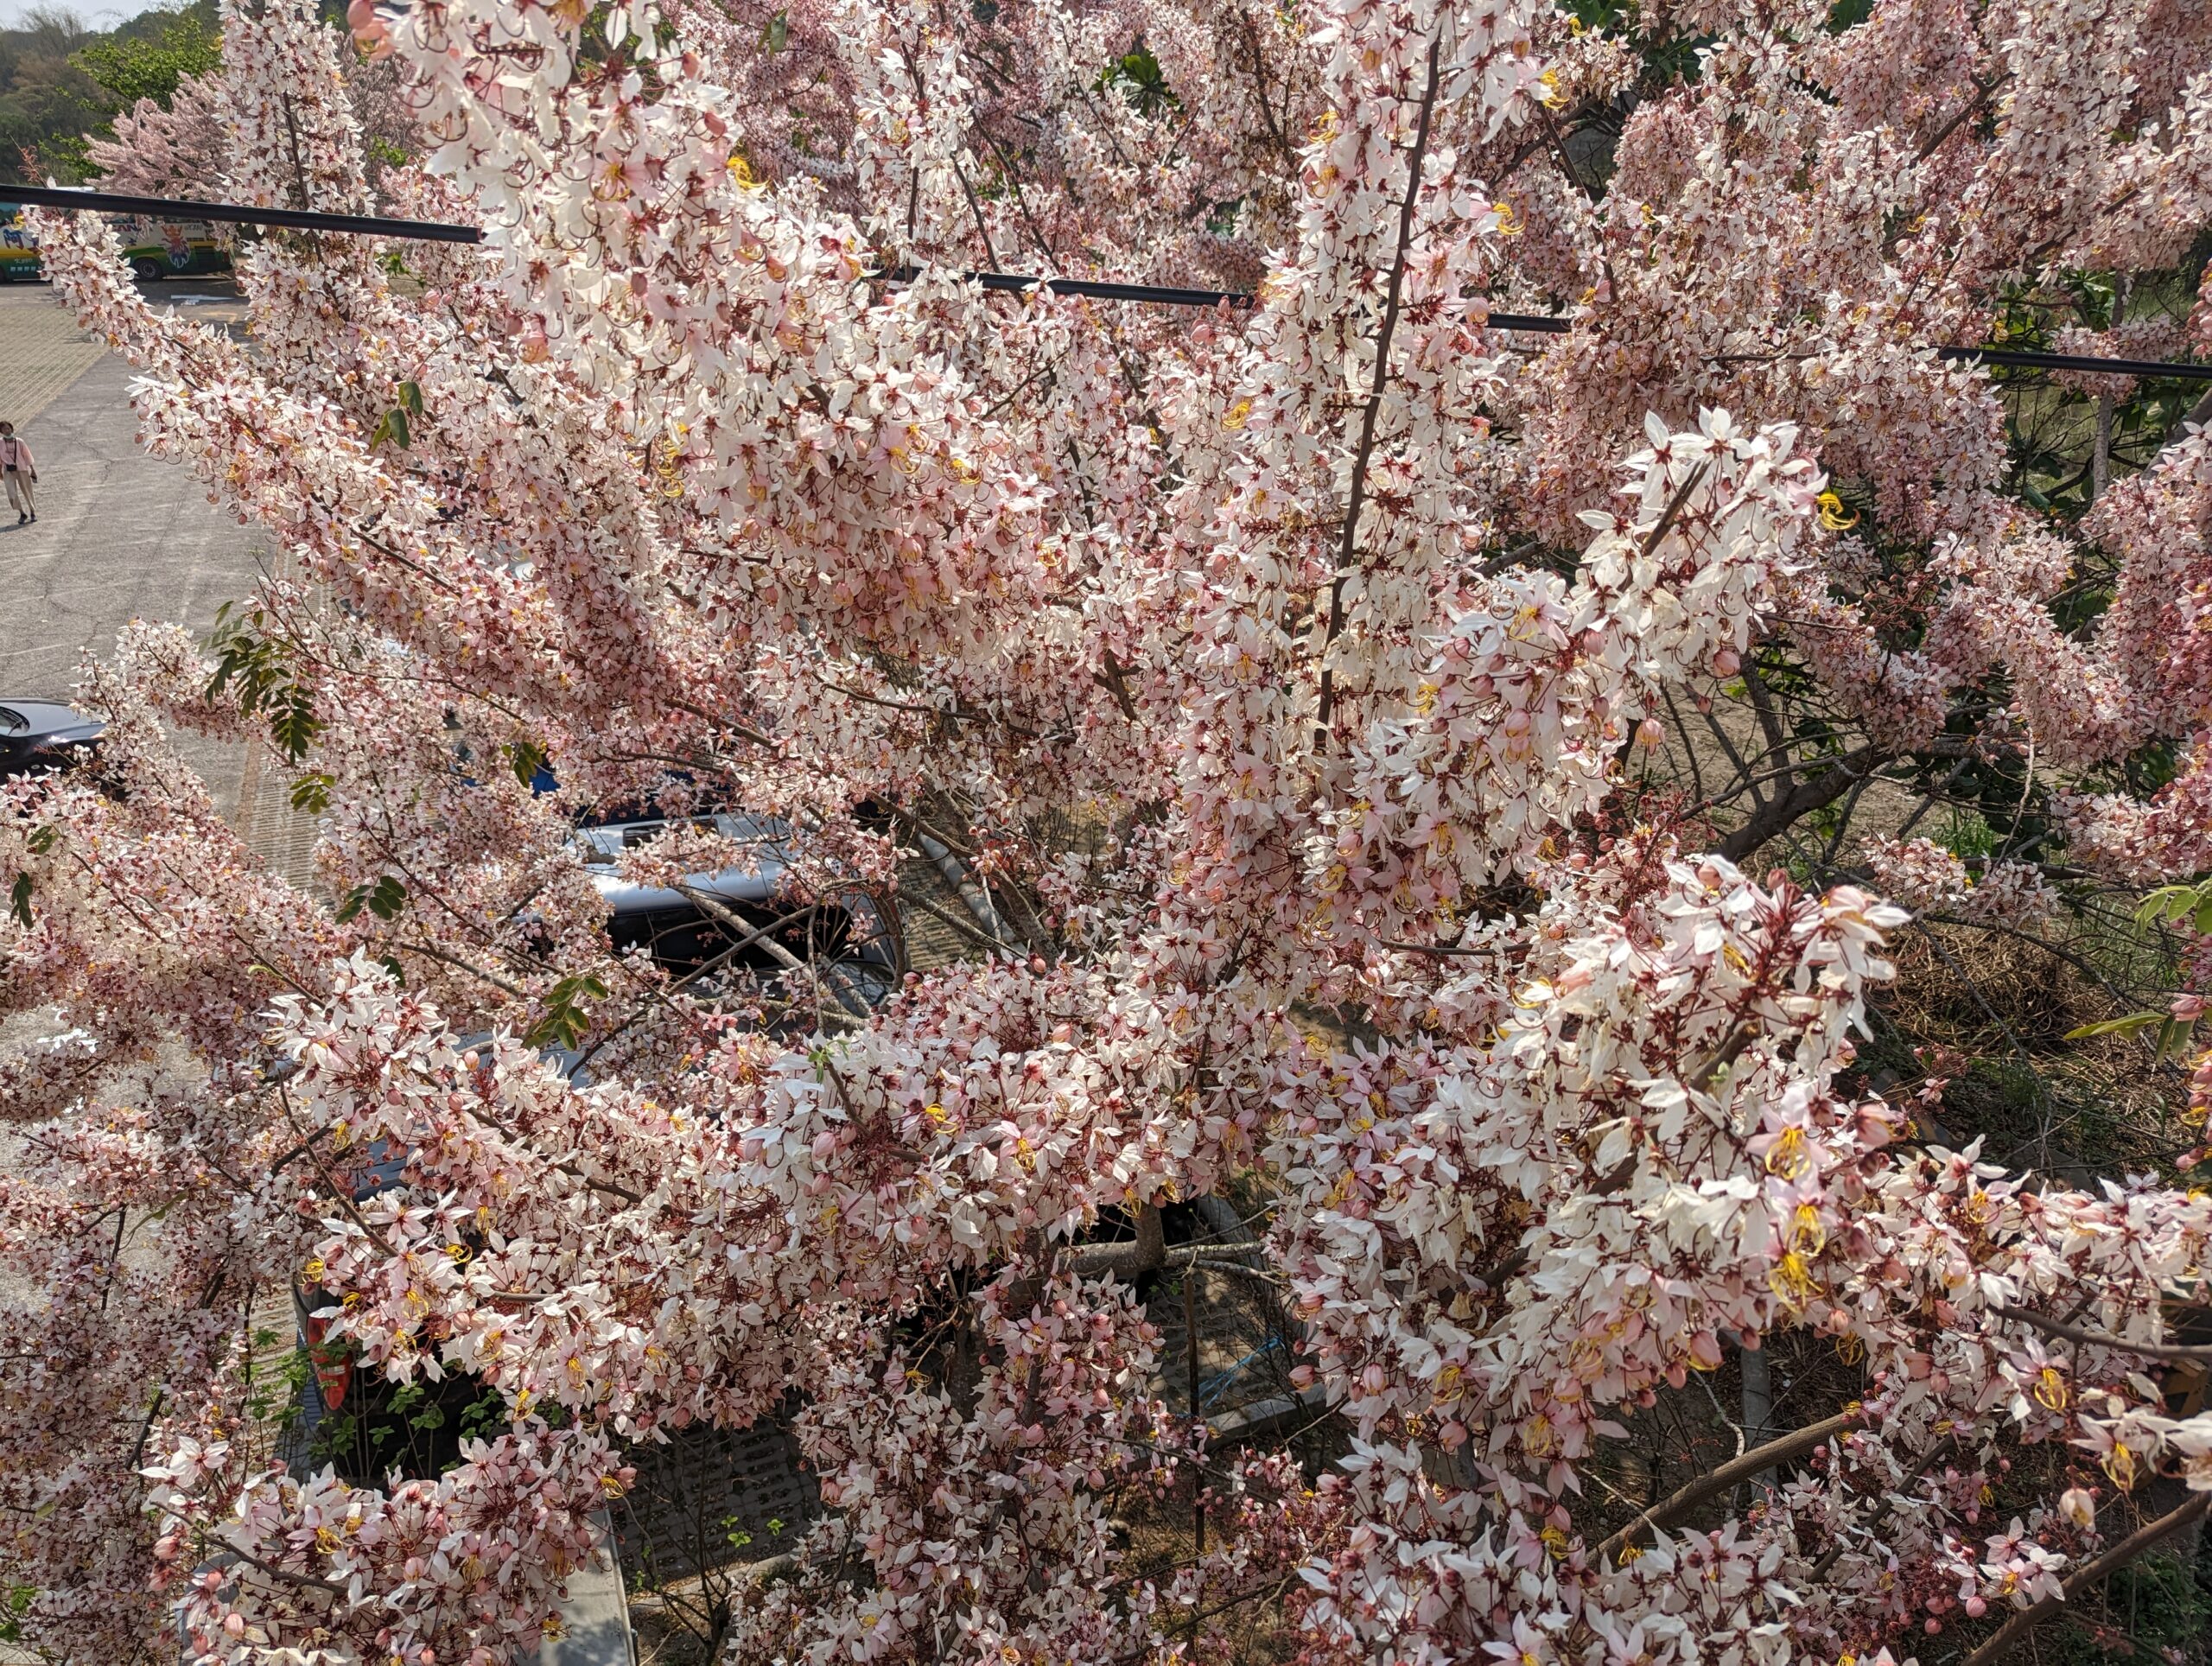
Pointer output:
44, 734
741, 920
856, 933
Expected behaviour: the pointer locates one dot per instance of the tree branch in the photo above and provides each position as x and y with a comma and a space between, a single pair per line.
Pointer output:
1372, 415
1674, 508
1801, 800
1965, 109
1671, 1510
2179, 1352
712, 906
2095, 1573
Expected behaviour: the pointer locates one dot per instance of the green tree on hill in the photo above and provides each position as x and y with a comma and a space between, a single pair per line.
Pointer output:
61, 82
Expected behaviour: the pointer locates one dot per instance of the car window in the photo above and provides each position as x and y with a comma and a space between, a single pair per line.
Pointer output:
13, 722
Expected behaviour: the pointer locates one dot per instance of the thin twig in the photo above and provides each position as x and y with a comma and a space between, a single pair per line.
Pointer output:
432, 953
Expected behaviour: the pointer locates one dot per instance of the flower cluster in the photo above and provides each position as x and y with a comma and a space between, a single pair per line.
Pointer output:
1924, 875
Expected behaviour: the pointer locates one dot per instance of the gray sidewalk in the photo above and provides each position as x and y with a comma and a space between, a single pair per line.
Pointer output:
119, 535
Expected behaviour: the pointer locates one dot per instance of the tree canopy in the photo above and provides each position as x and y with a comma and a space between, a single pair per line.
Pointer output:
1643, 885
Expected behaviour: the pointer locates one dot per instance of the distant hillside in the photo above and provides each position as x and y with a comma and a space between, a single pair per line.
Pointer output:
60, 80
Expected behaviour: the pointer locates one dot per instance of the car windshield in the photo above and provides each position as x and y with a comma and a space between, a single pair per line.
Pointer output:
13, 722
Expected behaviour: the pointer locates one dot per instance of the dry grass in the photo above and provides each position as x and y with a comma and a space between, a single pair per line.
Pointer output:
1992, 1013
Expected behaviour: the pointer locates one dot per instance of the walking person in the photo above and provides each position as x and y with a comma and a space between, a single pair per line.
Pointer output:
19, 469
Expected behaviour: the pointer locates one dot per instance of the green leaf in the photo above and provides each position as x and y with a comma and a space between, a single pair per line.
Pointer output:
1138, 76
2170, 903
566, 1017
410, 396
777, 32
255, 670
384, 900
388, 899
2127, 1026
311, 793
253, 662
527, 758
293, 724
19, 897
43, 839
391, 426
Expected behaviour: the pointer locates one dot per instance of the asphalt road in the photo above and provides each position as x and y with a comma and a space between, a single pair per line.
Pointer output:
120, 535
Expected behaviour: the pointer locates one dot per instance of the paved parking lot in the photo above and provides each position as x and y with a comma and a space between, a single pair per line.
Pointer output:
120, 536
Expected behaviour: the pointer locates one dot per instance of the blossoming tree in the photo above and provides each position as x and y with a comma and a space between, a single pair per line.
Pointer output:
1469, 726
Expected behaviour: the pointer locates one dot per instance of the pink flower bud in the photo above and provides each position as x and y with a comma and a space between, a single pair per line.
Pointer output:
2078, 1506
1650, 735
1727, 663
235, 1624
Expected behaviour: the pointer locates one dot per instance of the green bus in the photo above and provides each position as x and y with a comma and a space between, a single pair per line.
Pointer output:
155, 248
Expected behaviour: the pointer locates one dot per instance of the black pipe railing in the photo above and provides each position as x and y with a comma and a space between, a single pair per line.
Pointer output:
110, 202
